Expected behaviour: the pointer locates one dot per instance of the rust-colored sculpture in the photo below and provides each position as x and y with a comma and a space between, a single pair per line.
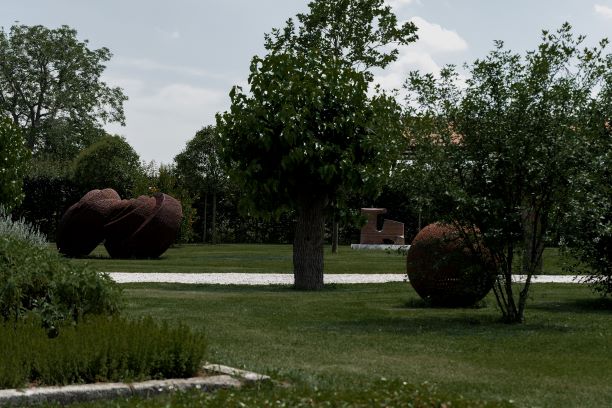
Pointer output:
445, 271
392, 232
138, 228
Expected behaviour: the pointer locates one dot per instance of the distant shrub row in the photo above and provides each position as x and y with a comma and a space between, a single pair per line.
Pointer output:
97, 349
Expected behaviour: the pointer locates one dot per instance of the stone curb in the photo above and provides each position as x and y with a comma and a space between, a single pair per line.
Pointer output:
225, 378
247, 376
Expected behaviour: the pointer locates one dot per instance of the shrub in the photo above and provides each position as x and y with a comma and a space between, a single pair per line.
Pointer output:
14, 157
19, 229
109, 163
36, 280
98, 349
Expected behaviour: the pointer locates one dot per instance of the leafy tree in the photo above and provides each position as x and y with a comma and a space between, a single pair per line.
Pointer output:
200, 171
109, 163
586, 228
498, 153
14, 157
308, 133
50, 86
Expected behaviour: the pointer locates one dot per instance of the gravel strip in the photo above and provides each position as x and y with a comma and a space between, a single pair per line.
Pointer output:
287, 279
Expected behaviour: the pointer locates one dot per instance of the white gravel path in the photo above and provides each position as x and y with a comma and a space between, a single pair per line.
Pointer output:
286, 278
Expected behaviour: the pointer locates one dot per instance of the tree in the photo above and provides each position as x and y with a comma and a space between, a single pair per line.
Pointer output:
308, 132
497, 154
109, 163
14, 157
586, 227
50, 86
200, 170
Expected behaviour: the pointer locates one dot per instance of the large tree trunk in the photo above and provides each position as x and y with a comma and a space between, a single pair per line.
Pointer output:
308, 245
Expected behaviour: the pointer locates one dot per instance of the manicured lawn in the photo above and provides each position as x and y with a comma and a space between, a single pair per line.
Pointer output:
256, 258
351, 336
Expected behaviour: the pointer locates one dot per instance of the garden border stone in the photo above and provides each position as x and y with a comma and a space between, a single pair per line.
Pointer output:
223, 377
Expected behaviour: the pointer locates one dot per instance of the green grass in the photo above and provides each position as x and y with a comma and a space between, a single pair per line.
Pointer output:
351, 336
257, 258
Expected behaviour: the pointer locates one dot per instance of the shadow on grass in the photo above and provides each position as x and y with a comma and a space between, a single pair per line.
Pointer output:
596, 305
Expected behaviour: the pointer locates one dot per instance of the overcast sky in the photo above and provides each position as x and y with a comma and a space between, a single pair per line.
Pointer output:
177, 60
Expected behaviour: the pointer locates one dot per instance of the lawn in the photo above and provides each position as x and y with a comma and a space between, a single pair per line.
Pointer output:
351, 336
258, 258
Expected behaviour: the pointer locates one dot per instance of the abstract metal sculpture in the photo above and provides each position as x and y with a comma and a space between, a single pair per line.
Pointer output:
138, 228
392, 232
446, 271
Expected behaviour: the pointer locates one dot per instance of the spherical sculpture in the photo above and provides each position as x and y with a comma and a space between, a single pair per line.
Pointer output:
445, 270
139, 228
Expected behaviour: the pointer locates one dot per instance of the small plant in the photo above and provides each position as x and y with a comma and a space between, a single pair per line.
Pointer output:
20, 229
97, 349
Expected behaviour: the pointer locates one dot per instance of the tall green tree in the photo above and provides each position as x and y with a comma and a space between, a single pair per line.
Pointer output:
201, 172
14, 157
498, 152
50, 86
308, 132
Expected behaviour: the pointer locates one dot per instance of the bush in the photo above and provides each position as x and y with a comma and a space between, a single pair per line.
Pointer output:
109, 163
36, 280
14, 157
49, 191
97, 349
19, 229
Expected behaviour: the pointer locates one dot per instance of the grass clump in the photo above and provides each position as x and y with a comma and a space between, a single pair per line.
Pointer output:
98, 349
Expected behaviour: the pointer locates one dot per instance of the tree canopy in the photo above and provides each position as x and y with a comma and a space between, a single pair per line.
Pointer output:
109, 163
498, 152
50, 87
308, 130
14, 157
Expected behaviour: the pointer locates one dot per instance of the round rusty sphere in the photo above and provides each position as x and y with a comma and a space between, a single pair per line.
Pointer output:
444, 270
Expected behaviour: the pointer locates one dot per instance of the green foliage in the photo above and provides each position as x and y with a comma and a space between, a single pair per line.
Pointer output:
357, 32
13, 163
314, 132
51, 87
98, 349
498, 153
198, 166
36, 280
109, 163
49, 190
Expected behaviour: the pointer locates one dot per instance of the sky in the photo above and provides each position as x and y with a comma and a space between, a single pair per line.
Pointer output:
177, 60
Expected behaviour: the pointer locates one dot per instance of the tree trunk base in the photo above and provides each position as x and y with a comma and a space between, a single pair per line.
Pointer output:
308, 246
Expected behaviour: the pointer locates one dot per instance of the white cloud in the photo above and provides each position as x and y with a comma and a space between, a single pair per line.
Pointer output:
603, 11
433, 41
436, 38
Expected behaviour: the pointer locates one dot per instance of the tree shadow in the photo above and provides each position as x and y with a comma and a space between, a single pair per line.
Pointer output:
598, 305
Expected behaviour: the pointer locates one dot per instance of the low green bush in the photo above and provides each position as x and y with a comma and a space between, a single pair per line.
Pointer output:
97, 349
36, 280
